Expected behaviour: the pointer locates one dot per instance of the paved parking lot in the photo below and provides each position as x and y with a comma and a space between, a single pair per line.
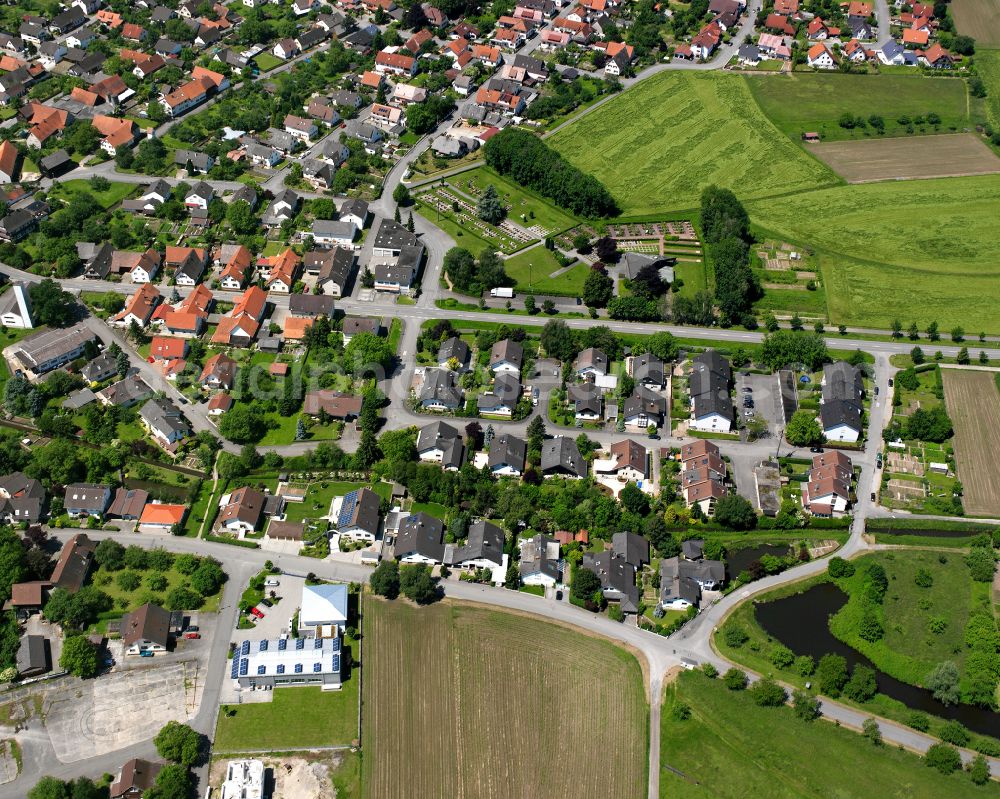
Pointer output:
90, 718
275, 621
766, 397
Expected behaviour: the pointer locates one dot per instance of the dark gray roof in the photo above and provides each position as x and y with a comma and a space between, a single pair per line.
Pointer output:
486, 541
647, 368
310, 304
101, 367
592, 358
421, 534
560, 455
365, 512
393, 236
165, 416
644, 401
507, 350
842, 390
535, 557
586, 398
435, 434
693, 549
709, 385
630, 547
508, 450
455, 348
617, 578
24, 497
439, 388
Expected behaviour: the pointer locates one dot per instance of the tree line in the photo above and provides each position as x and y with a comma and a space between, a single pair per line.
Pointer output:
725, 227
530, 162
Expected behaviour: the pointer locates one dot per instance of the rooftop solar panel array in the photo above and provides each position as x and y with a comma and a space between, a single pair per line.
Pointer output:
347, 509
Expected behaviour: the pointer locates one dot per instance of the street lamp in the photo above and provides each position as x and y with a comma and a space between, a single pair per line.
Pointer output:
781, 435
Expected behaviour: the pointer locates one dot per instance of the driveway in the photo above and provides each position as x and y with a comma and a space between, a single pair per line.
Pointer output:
275, 621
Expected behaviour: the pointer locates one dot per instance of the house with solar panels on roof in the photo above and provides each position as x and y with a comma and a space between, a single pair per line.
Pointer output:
287, 662
357, 515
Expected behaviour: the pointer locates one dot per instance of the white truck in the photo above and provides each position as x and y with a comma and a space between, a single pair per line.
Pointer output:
502, 292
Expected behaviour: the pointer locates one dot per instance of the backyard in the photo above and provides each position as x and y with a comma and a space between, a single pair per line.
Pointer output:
454, 696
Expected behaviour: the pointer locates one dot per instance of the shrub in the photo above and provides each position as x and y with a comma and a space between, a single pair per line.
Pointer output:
944, 758
953, 732
871, 731
782, 656
838, 567
806, 705
767, 693
804, 665
919, 721
735, 679
735, 636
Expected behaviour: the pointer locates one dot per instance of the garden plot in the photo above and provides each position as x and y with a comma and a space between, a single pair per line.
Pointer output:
506, 237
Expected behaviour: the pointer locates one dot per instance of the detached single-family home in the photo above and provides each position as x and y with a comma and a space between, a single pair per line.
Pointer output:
561, 458
441, 443
506, 356
146, 629
591, 362
508, 455
841, 407
827, 491
241, 510
440, 392
540, 562
358, 516
711, 405
420, 539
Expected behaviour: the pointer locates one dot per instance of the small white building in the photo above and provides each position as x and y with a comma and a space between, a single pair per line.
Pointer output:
323, 611
244, 780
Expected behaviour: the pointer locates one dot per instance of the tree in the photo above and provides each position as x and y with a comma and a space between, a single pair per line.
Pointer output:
979, 770
385, 579
932, 332
178, 743
512, 579
49, 788
367, 354
241, 218
958, 334
803, 429
536, 433
897, 328
861, 687
954, 732
723, 216
172, 782
110, 555
735, 679
963, 356
831, 674
489, 208
806, 705
558, 340
585, 587
417, 584
943, 757
982, 565
598, 289
243, 424
735, 512
767, 693
50, 305
401, 195
208, 578
871, 731
942, 682
79, 657
917, 356
607, 250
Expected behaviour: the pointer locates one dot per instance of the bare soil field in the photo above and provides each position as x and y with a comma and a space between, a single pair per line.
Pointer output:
908, 158
461, 701
293, 777
979, 19
973, 403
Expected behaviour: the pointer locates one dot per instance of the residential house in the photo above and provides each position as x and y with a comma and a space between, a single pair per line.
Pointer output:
335, 268
336, 405
591, 363
146, 629
239, 327
439, 391
127, 504
301, 128
562, 458
508, 455
540, 562
483, 548
648, 371
15, 307
454, 350
161, 518
711, 405
333, 233
237, 261
353, 325
323, 610
627, 460
395, 63
358, 515
165, 422
587, 401
827, 491
506, 356
683, 581
821, 56
85, 499
617, 568
49, 349
841, 407
241, 511
502, 398
420, 539
284, 206
135, 778
10, 159
129, 391
219, 372
441, 443
310, 305
280, 272
644, 409
22, 498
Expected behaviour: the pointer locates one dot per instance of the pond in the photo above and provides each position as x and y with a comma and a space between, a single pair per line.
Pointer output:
801, 622
739, 560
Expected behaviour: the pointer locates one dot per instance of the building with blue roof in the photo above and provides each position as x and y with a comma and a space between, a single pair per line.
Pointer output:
291, 662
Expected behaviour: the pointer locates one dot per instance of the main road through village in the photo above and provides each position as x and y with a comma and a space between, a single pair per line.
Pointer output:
661, 654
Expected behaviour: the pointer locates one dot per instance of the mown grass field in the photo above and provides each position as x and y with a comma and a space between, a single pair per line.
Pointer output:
919, 251
460, 701
531, 270
909, 650
518, 200
729, 749
659, 144
295, 717
988, 67
979, 19
808, 101
973, 402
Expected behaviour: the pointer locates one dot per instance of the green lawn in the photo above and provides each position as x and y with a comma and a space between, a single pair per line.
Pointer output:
296, 717
656, 146
915, 250
124, 601
267, 62
988, 67
531, 270
730, 748
812, 101
909, 650
518, 199
107, 198
431, 509
281, 430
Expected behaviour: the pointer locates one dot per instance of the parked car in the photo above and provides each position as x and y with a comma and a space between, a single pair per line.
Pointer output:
267, 603
876, 391
747, 390
257, 612
873, 497
558, 596
192, 636
193, 628
272, 582
890, 382
146, 653
815, 449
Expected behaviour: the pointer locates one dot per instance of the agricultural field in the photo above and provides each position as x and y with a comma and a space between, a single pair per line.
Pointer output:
936, 238
718, 749
979, 19
947, 155
461, 701
537, 271
973, 400
988, 67
656, 146
808, 101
